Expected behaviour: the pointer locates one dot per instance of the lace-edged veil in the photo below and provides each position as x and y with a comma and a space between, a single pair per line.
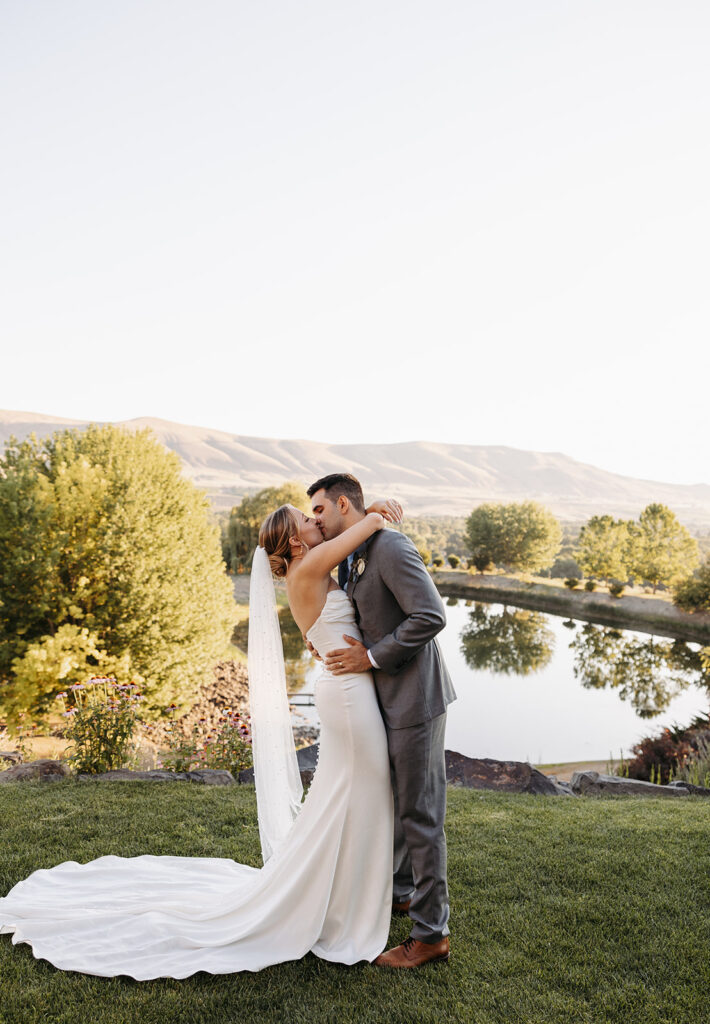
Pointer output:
278, 781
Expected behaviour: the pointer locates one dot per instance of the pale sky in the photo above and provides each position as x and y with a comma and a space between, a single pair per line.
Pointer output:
476, 222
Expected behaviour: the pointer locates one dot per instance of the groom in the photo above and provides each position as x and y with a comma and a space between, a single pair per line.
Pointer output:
399, 613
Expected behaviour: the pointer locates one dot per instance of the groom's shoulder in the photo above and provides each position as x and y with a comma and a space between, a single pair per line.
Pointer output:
391, 542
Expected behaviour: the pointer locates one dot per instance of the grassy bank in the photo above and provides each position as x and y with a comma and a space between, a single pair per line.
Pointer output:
562, 911
644, 612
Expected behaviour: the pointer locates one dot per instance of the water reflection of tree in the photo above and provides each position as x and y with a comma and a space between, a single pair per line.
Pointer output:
647, 672
512, 642
295, 658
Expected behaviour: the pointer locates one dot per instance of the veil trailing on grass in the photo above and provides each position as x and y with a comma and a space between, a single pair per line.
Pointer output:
278, 781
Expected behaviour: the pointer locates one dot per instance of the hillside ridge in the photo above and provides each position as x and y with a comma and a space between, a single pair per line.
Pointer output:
431, 477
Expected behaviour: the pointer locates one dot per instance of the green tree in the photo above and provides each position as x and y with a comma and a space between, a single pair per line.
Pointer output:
602, 548
245, 519
693, 593
522, 536
661, 550
109, 561
484, 528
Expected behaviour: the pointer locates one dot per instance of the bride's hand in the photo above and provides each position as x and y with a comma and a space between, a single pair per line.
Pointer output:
390, 509
310, 647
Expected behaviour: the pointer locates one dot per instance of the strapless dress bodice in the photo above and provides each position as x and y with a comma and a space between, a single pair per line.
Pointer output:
337, 617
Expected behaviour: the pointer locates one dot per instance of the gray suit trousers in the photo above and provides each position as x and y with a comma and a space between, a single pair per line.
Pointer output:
418, 770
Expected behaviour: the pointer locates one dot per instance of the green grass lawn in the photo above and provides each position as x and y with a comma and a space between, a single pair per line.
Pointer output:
563, 910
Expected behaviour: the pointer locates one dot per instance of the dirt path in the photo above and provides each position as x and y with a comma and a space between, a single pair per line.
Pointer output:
565, 771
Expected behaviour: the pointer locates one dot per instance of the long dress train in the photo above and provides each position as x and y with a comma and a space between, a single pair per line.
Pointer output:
327, 889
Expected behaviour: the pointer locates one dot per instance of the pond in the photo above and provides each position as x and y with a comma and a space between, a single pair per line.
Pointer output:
535, 687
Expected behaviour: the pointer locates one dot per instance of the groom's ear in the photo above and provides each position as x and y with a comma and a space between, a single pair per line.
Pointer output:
342, 504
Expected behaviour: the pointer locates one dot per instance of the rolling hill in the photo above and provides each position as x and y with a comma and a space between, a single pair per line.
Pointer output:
429, 477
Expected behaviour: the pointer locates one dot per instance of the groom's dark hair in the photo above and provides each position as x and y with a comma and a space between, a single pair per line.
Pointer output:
336, 484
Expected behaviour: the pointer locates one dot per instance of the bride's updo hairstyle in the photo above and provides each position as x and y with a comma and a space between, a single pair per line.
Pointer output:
274, 536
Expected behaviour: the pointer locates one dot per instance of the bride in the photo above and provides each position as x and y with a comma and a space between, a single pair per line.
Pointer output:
326, 883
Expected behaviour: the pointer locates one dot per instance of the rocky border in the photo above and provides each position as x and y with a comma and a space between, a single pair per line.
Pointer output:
47, 770
468, 772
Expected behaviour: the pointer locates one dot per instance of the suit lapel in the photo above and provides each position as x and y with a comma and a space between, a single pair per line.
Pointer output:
359, 553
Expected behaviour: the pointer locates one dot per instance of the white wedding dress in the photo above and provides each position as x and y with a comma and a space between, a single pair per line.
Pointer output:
327, 888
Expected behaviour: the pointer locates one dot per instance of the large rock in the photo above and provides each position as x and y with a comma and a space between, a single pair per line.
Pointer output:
695, 790
487, 773
45, 770
474, 773
126, 775
307, 761
204, 776
212, 777
593, 784
13, 756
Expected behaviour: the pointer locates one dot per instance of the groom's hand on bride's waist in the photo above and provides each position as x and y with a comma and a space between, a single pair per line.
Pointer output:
352, 658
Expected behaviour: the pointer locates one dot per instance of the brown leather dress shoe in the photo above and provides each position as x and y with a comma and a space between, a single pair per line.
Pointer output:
413, 953
401, 908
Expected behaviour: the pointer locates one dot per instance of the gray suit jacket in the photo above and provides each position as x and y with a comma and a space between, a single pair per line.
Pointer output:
399, 612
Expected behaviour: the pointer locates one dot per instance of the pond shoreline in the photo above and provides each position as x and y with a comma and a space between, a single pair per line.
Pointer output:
645, 614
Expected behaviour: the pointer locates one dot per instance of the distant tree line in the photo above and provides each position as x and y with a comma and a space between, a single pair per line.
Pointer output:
655, 549
437, 538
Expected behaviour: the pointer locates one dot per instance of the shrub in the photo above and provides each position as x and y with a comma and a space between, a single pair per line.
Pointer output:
695, 768
564, 565
438, 562
228, 746
693, 594
590, 585
571, 582
480, 562
100, 723
424, 553
454, 561
657, 757
663, 757
616, 589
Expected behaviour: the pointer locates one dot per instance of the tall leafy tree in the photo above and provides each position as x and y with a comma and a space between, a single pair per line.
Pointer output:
661, 550
522, 536
109, 561
246, 518
603, 547
484, 535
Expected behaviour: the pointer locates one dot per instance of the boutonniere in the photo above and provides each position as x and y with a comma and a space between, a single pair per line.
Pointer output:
358, 567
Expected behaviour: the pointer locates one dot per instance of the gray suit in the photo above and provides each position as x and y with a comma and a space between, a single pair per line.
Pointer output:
399, 612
